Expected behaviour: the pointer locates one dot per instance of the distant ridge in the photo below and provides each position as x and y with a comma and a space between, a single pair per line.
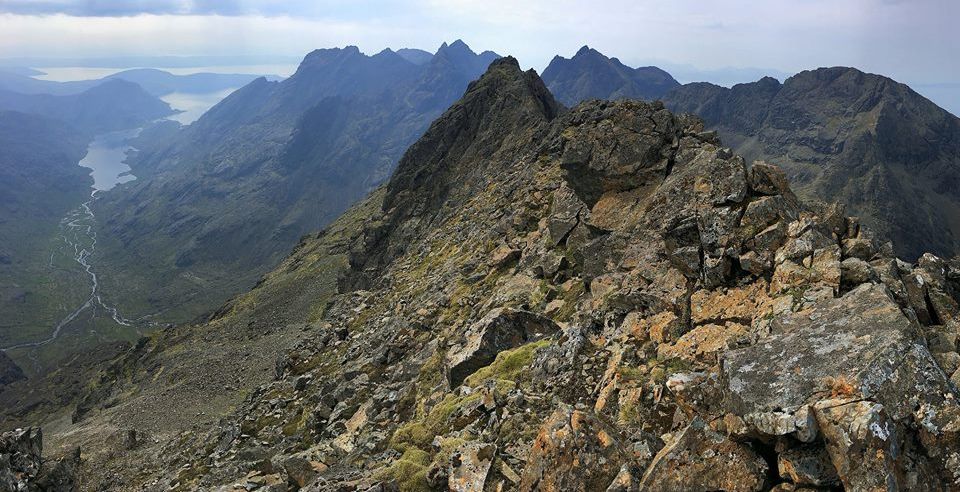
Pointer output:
889, 154
591, 75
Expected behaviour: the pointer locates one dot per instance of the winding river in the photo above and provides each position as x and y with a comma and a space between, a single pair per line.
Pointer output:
105, 158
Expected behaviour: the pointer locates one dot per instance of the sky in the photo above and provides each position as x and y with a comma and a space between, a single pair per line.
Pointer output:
914, 41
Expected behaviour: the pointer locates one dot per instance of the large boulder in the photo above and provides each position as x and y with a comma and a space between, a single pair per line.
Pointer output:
501, 329
862, 348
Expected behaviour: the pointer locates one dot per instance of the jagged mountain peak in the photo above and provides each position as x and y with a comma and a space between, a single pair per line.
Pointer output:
503, 103
585, 50
590, 74
458, 52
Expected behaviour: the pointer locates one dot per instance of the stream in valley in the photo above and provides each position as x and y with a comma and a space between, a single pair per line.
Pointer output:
105, 159
106, 156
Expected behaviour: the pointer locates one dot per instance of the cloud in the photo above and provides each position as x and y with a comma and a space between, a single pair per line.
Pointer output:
264, 8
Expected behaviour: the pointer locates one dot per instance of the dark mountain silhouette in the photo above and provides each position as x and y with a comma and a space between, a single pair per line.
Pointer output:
113, 105
591, 75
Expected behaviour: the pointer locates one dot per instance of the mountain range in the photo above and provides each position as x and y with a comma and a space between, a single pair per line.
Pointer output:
540, 298
591, 75
222, 201
112, 105
875, 145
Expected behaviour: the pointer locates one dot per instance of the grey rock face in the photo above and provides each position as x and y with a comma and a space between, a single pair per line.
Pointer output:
23, 469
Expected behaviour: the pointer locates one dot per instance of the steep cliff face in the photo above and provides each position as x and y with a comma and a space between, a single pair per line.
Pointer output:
603, 298
887, 153
591, 75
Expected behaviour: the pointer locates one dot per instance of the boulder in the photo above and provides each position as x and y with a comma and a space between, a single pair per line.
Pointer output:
501, 329
20, 458
469, 466
859, 347
574, 451
767, 179
701, 459
837, 348
864, 444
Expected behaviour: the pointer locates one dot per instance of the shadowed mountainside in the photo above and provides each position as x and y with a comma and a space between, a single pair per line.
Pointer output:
223, 201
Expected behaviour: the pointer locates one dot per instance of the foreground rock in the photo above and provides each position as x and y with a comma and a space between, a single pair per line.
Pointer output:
23, 469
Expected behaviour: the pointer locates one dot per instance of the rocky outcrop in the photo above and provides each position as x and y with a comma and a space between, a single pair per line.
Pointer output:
576, 451
23, 469
701, 459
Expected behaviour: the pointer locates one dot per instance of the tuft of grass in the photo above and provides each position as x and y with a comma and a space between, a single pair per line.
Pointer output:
409, 471
508, 365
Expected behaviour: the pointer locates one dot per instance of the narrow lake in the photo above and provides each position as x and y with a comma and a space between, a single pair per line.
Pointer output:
105, 157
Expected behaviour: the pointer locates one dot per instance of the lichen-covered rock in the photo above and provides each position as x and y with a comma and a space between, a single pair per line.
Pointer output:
701, 459
839, 349
574, 451
469, 467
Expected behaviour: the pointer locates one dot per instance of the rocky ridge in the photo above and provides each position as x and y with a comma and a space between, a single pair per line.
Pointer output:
600, 298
